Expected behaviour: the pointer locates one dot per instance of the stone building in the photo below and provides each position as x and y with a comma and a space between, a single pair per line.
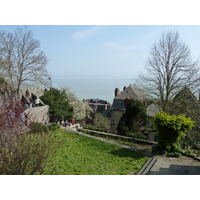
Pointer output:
186, 103
119, 102
35, 109
98, 105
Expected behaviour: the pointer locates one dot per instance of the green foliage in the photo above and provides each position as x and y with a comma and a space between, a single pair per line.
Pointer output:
133, 119
94, 128
170, 129
137, 135
100, 123
37, 127
191, 143
173, 154
53, 127
59, 106
122, 126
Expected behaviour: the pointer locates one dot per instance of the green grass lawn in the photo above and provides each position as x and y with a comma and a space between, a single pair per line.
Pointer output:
77, 154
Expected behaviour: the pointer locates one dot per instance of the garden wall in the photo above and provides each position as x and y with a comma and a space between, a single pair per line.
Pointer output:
37, 114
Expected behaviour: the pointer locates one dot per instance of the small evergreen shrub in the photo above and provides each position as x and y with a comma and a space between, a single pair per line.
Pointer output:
170, 129
37, 127
173, 154
88, 126
134, 117
137, 135
95, 128
53, 127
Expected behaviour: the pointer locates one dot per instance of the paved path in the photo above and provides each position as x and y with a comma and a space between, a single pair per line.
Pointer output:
175, 166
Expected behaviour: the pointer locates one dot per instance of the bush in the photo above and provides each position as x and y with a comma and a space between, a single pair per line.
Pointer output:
134, 117
170, 129
191, 143
53, 127
173, 154
20, 153
101, 122
137, 135
37, 127
95, 128
59, 105
24, 154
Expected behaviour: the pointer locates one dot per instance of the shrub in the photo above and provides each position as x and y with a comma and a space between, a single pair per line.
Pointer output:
95, 128
37, 127
24, 154
170, 129
59, 105
137, 135
53, 127
173, 154
101, 122
20, 153
134, 117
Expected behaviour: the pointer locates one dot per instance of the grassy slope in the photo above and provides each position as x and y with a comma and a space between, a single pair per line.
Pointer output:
76, 154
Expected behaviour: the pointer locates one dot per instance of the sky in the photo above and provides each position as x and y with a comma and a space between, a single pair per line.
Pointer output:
108, 51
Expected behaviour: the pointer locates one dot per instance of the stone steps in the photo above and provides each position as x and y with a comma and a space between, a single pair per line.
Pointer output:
147, 167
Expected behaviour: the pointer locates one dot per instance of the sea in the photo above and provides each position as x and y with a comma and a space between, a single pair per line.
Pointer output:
89, 88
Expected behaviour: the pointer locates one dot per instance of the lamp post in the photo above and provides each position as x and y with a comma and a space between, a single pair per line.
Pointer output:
50, 82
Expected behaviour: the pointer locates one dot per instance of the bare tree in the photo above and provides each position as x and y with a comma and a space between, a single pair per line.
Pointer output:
21, 60
169, 69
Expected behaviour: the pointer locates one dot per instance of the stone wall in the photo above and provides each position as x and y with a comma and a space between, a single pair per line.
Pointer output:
37, 114
115, 118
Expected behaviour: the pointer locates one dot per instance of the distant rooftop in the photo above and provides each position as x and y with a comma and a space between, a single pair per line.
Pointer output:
132, 91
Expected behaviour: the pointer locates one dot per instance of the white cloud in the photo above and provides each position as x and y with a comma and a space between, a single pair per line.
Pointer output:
78, 35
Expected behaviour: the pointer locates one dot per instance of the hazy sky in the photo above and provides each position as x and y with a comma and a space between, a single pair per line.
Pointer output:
103, 51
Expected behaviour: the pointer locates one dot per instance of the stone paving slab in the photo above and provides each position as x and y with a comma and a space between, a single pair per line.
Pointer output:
175, 166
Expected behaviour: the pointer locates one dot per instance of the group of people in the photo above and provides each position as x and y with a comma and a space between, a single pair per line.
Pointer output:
66, 123
33, 103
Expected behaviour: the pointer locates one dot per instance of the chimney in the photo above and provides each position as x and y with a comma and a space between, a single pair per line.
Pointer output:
117, 91
124, 88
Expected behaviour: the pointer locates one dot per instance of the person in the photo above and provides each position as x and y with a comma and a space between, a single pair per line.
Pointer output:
37, 102
62, 123
73, 122
12, 114
22, 118
26, 119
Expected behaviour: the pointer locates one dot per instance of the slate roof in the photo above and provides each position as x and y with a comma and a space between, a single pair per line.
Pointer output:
132, 91
118, 104
185, 93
